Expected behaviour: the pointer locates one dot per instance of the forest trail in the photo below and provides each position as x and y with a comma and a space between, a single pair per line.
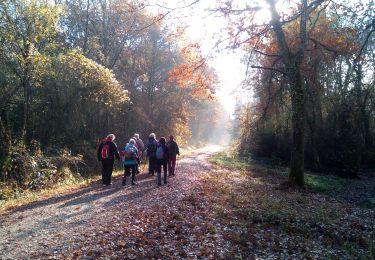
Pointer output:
116, 221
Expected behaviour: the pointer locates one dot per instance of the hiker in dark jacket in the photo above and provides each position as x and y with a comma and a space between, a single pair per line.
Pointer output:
173, 152
151, 149
130, 155
162, 160
107, 152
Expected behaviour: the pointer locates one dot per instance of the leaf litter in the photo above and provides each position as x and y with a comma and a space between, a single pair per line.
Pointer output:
203, 213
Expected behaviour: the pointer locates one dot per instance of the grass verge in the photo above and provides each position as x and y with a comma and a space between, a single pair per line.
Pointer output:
264, 221
315, 182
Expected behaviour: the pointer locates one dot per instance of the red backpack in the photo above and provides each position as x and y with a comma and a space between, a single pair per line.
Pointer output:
105, 150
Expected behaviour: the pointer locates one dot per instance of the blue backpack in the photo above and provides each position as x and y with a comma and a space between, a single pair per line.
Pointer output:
129, 153
160, 153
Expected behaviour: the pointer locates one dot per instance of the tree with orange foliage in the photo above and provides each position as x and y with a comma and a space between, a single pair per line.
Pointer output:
282, 44
194, 74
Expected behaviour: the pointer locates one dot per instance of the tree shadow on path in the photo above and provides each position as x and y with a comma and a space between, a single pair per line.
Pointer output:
76, 197
92, 197
132, 195
95, 186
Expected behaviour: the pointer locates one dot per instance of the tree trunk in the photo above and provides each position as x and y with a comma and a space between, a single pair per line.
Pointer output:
296, 174
26, 107
312, 92
86, 36
5, 144
292, 63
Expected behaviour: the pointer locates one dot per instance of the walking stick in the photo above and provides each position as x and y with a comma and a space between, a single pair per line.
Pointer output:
175, 168
145, 161
140, 164
144, 164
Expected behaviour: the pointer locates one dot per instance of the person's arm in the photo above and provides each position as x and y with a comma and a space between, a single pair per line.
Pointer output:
178, 150
141, 145
137, 153
99, 152
146, 149
167, 152
116, 151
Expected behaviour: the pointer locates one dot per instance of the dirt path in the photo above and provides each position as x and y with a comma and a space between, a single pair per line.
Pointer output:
119, 222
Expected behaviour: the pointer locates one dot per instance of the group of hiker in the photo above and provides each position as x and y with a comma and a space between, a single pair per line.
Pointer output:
160, 153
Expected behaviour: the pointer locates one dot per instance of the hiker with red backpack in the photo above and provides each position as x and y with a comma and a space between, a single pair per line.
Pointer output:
107, 152
130, 159
151, 150
161, 160
173, 152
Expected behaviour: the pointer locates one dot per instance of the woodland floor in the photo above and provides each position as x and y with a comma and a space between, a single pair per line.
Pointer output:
207, 211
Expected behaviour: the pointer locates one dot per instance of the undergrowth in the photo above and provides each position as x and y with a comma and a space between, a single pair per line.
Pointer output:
29, 173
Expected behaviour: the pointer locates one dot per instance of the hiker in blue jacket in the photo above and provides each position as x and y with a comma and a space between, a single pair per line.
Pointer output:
131, 159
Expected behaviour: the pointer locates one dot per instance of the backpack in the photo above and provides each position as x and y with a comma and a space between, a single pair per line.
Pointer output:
160, 153
140, 144
105, 151
172, 147
129, 153
151, 147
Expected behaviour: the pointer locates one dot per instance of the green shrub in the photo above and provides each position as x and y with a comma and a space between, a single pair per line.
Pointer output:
31, 169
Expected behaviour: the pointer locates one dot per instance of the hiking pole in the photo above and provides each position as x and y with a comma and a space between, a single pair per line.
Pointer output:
175, 168
140, 164
142, 167
145, 161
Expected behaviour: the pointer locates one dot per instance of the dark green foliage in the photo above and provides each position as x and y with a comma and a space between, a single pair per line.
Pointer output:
31, 169
72, 73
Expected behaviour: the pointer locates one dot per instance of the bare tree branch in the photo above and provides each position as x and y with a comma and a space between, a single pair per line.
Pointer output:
324, 46
267, 54
268, 68
366, 41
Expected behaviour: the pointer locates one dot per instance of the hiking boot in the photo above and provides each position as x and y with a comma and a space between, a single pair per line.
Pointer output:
134, 183
165, 182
